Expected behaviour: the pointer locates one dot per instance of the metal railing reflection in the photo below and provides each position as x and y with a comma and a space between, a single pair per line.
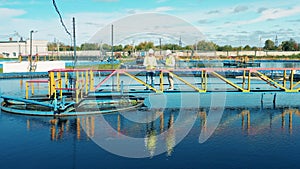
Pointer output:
260, 122
86, 123
171, 137
290, 113
58, 128
247, 114
151, 134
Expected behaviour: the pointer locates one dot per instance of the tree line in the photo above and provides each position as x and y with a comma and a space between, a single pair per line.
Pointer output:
290, 45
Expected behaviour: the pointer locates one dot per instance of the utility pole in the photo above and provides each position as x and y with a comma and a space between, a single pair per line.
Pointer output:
160, 46
180, 42
112, 55
276, 41
57, 45
112, 46
196, 46
18, 41
74, 39
30, 54
30, 47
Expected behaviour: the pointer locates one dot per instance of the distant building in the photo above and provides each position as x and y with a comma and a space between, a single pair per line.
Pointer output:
12, 49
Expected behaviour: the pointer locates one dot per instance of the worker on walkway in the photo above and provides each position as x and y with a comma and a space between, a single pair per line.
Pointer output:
170, 64
150, 63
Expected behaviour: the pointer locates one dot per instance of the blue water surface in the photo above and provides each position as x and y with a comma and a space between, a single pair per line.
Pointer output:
267, 142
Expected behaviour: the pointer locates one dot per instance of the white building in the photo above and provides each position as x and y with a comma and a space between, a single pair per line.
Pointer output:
12, 49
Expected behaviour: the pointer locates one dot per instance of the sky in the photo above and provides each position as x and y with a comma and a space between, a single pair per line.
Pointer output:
232, 22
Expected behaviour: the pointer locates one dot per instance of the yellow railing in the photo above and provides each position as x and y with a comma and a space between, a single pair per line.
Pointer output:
243, 86
84, 80
84, 83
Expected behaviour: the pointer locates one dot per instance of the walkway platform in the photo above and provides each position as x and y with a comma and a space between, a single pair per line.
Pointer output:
71, 91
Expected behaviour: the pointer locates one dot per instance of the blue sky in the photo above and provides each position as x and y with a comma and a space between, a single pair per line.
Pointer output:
232, 22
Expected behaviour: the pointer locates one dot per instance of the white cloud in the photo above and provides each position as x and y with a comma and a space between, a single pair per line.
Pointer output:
19, 3
5, 2
156, 10
88, 23
7, 13
161, 1
271, 14
240, 9
277, 13
106, 0
163, 9
149, 26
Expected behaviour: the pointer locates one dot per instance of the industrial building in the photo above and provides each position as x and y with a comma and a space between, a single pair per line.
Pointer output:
13, 48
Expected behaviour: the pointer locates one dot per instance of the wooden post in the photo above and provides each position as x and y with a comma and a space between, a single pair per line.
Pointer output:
26, 90
244, 79
161, 80
76, 87
249, 80
51, 84
86, 82
92, 81
59, 83
66, 79
284, 78
118, 81
292, 80
32, 88
202, 79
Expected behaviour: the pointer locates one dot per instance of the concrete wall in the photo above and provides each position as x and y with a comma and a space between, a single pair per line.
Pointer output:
187, 54
10, 67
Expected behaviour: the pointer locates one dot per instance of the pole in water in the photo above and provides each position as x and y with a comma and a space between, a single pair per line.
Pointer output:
274, 101
262, 101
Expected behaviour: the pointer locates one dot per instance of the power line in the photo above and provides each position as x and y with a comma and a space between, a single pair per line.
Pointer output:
61, 20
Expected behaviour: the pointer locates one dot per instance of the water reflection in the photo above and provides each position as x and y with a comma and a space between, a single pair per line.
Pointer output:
254, 122
203, 120
289, 113
170, 138
21, 85
151, 136
150, 139
246, 114
58, 128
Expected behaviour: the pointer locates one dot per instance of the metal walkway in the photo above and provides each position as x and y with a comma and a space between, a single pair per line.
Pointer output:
81, 82
282, 79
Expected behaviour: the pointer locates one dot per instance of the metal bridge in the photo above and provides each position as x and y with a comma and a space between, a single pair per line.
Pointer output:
67, 89
82, 81
279, 78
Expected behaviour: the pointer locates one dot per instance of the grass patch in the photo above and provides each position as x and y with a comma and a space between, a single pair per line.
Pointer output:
8, 59
1, 70
125, 60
